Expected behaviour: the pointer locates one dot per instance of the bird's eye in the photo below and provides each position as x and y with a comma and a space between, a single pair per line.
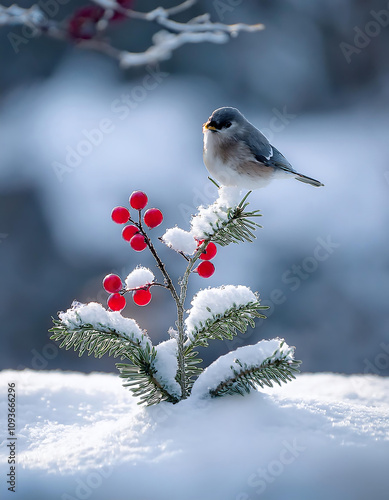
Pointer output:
227, 125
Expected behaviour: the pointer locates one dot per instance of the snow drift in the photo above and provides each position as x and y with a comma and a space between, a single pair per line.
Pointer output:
323, 436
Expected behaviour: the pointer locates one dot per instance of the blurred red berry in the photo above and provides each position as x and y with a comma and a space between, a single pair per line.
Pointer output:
116, 302
138, 200
82, 24
129, 231
126, 4
120, 215
209, 252
205, 269
138, 242
153, 217
141, 297
112, 283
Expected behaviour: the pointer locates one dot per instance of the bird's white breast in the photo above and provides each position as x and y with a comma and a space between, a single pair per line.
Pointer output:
229, 170
223, 171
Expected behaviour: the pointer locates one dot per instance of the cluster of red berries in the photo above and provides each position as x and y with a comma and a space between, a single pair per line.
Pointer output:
116, 301
134, 234
205, 269
152, 218
82, 24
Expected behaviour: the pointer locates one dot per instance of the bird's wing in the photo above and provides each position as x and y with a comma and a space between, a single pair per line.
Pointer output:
259, 146
278, 160
264, 152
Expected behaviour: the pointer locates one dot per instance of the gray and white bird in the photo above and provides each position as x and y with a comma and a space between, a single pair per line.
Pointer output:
238, 154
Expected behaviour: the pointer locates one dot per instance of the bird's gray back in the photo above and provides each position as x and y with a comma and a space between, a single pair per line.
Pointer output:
264, 151
256, 141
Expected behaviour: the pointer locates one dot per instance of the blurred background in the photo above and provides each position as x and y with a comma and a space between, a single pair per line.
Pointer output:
315, 81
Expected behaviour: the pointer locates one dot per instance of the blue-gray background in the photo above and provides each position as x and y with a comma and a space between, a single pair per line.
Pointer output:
321, 260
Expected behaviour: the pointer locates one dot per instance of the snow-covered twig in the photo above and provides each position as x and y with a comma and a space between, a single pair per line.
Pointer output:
164, 42
15, 15
147, 16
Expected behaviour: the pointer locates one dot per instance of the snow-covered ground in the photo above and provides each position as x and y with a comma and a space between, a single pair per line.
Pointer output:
322, 436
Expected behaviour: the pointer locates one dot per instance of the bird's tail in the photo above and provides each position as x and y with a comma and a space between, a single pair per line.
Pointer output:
308, 180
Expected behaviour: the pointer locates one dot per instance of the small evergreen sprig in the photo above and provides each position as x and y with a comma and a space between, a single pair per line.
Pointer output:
279, 367
171, 370
223, 326
237, 227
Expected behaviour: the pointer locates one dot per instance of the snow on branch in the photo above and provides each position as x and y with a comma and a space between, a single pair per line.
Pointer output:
166, 366
180, 240
81, 324
15, 15
91, 328
88, 25
246, 368
139, 277
217, 313
225, 221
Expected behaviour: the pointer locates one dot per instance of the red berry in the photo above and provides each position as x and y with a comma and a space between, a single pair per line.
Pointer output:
127, 4
138, 200
153, 217
116, 302
118, 16
205, 269
129, 231
112, 283
120, 215
209, 252
82, 24
141, 297
138, 242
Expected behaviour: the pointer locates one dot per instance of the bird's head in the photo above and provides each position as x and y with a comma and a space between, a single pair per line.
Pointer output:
224, 121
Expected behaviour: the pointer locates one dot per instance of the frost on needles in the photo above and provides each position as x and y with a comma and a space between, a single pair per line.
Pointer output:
171, 371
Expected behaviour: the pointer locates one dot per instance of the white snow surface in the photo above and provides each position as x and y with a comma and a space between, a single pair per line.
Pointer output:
218, 300
95, 314
180, 240
139, 277
202, 223
224, 366
323, 437
166, 365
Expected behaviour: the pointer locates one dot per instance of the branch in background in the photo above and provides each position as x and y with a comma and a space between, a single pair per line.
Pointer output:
88, 25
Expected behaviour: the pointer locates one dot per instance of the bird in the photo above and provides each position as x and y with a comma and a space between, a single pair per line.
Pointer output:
237, 154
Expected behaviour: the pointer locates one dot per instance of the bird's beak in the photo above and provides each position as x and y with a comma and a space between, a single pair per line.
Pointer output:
208, 126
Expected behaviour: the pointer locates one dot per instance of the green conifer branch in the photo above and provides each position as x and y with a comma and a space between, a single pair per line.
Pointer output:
141, 380
192, 371
86, 338
237, 227
276, 368
227, 324
140, 374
